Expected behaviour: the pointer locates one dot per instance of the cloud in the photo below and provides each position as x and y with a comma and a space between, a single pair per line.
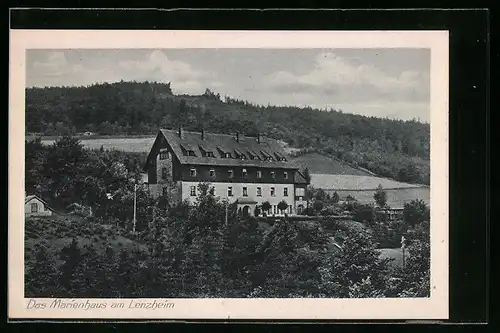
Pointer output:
158, 65
55, 65
348, 79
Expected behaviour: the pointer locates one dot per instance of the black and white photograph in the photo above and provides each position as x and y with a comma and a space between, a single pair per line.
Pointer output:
226, 173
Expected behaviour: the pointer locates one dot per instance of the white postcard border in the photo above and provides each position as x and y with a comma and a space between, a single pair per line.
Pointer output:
434, 307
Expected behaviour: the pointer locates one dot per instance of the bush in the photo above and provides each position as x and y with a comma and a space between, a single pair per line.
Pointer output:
331, 211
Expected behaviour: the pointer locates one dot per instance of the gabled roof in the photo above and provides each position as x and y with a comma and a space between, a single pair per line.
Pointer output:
225, 143
31, 197
299, 178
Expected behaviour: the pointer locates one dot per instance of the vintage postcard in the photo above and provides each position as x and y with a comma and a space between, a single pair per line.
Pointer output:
228, 175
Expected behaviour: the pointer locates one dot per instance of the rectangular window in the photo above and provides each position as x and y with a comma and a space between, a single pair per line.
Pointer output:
193, 191
259, 191
244, 173
259, 174
212, 190
192, 172
273, 191
212, 173
274, 209
299, 199
210, 154
273, 175
164, 155
164, 173
245, 191
230, 173
285, 191
191, 153
299, 191
230, 191
285, 175
228, 155
34, 208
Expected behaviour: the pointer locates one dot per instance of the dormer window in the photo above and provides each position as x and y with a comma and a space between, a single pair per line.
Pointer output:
187, 150
266, 155
240, 155
253, 155
279, 157
205, 152
228, 155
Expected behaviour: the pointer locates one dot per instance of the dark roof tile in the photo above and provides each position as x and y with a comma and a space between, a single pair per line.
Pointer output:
226, 143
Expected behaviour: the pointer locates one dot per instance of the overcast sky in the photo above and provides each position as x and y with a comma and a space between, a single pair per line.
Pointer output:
392, 83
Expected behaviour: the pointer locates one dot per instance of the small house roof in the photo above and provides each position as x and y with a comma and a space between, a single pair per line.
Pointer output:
28, 198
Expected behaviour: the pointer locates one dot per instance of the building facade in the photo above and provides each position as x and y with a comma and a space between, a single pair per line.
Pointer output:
245, 170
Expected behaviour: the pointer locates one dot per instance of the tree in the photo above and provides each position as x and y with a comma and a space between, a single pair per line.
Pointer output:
307, 175
42, 277
310, 191
71, 256
320, 194
335, 197
318, 205
363, 213
63, 169
380, 196
35, 159
266, 206
358, 270
282, 206
415, 211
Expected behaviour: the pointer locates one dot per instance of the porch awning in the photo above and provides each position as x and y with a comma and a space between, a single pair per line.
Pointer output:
247, 201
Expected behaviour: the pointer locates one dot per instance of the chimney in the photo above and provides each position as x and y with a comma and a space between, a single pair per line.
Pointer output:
181, 132
240, 137
202, 134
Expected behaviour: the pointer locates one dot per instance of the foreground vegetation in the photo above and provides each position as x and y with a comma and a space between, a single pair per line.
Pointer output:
182, 250
389, 148
191, 252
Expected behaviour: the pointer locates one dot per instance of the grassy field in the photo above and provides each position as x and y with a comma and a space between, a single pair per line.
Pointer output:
395, 197
355, 182
320, 164
139, 144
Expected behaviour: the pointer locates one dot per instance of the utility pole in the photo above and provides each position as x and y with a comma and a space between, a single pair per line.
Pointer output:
403, 246
135, 207
226, 212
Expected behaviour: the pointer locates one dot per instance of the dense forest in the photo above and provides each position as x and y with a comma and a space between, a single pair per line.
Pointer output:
390, 148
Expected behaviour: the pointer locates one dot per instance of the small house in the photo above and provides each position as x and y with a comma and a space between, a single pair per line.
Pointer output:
35, 206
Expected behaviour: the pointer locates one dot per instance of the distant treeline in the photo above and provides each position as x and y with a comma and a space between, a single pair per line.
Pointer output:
391, 148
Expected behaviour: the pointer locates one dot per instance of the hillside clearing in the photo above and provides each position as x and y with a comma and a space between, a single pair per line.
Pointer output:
321, 164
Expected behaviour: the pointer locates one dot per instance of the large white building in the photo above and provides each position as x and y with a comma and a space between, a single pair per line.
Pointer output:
245, 170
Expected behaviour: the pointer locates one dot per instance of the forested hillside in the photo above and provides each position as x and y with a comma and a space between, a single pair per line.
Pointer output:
389, 148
